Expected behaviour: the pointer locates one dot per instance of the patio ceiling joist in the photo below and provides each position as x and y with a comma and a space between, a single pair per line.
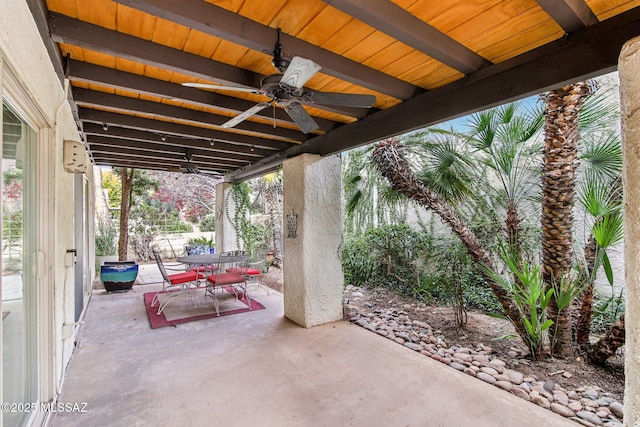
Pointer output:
571, 15
161, 150
177, 129
585, 53
219, 22
103, 100
100, 39
108, 77
179, 157
151, 163
393, 20
241, 152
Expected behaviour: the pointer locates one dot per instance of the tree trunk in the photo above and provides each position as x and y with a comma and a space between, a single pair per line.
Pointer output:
561, 138
126, 180
606, 346
390, 161
585, 306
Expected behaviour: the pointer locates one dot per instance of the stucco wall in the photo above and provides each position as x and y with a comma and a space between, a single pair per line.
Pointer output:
24, 54
629, 68
313, 279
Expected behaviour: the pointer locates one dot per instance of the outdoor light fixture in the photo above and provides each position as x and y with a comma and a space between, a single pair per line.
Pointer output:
292, 224
105, 127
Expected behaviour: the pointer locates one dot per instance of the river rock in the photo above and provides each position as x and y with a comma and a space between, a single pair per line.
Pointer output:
514, 376
521, 393
488, 370
590, 416
540, 400
505, 385
457, 366
486, 377
617, 409
562, 410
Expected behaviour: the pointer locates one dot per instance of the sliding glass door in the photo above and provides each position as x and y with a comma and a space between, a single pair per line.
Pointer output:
19, 296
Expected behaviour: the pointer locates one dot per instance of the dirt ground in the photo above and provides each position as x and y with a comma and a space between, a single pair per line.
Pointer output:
571, 373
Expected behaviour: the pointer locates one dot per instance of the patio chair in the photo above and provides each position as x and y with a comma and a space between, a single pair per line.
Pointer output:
221, 278
254, 268
174, 285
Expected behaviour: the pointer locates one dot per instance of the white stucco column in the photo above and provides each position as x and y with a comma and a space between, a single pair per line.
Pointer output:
629, 70
313, 280
226, 236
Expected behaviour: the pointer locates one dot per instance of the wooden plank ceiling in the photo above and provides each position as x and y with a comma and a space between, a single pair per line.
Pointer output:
424, 61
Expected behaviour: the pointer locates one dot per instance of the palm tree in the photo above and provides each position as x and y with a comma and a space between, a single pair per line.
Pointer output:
369, 200
561, 136
390, 159
508, 143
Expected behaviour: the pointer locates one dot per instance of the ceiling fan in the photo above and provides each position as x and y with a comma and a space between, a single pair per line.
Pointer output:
286, 89
189, 167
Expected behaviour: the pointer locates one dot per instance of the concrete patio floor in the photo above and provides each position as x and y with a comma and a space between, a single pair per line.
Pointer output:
259, 369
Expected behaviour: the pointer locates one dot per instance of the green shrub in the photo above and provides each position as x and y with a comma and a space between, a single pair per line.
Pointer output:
208, 223
385, 256
358, 266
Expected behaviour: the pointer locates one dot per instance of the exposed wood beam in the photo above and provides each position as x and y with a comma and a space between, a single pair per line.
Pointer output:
152, 164
219, 22
163, 150
396, 22
94, 74
571, 15
92, 98
584, 54
176, 129
64, 29
175, 159
240, 152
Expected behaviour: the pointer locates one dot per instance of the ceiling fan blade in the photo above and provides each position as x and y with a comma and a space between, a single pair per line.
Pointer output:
343, 99
299, 115
299, 71
219, 87
244, 115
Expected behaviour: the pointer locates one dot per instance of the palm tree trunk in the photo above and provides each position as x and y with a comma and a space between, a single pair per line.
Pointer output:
606, 346
561, 138
389, 158
585, 310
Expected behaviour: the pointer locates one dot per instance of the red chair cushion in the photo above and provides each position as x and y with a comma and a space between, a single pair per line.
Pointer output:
187, 276
247, 271
225, 278
203, 268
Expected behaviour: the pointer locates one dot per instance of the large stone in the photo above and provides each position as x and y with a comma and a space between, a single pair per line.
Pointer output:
617, 409
540, 401
514, 376
488, 370
560, 397
458, 366
486, 377
413, 346
505, 385
562, 410
465, 357
590, 416
521, 393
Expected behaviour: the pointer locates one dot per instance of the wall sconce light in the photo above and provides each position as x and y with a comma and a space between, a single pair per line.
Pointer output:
292, 224
163, 138
105, 127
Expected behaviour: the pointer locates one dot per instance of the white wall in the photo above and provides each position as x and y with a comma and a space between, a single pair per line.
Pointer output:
23, 53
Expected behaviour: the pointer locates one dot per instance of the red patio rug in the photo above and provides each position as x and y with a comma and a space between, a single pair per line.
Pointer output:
182, 310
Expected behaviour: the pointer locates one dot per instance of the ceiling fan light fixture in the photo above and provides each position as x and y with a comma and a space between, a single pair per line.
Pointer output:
280, 63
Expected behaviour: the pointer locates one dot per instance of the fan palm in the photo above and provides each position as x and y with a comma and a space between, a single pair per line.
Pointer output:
561, 136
